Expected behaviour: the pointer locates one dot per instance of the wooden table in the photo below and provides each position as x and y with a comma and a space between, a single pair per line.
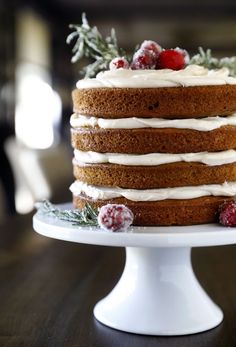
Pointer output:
48, 289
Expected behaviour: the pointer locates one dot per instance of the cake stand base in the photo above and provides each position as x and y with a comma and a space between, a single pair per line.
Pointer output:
158, 294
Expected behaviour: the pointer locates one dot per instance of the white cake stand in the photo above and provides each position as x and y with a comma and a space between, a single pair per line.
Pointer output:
158, 293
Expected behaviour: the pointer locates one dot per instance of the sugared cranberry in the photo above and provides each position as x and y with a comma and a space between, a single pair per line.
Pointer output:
227, 213
114, 217
170, 59
119, 63
144, 59
184, 53
151, 46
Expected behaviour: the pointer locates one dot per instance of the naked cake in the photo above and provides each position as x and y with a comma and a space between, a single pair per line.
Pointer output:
159, 139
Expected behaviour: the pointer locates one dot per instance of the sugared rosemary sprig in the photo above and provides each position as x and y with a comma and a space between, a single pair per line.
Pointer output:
85, 217
90, 43
205, 58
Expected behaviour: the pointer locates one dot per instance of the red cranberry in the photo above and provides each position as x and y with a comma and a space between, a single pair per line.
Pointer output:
184, 53
151, 46
227, 213
119, 63
170, 59
114, 217
143, 59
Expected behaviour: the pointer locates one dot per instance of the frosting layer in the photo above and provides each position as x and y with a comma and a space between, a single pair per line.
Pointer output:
105, 193
200, 124
151, 159
192, 75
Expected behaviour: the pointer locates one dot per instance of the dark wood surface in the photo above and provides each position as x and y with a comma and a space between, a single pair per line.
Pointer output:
48, 289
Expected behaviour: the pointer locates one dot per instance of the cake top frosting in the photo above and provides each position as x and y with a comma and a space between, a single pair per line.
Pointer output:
191, 75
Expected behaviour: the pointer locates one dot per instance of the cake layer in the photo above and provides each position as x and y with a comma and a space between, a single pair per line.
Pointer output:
162, 176
149, 140
167, 212
170, 102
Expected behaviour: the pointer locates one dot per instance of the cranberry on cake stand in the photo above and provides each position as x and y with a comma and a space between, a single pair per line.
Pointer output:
158, 292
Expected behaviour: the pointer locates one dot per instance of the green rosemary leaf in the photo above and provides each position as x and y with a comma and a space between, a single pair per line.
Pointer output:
89, 43
84, 217
205, 58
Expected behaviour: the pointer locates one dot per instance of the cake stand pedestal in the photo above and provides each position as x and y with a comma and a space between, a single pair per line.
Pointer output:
158, 293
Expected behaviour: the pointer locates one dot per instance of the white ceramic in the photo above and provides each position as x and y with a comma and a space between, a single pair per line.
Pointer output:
158, 293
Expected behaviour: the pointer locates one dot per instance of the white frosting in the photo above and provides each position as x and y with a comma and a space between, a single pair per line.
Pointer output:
152, 159
200, 124
192, 75
105, 193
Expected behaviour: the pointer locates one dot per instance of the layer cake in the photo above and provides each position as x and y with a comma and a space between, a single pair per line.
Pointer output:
161, 142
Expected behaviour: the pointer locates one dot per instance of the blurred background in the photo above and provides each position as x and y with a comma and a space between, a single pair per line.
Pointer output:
37, 77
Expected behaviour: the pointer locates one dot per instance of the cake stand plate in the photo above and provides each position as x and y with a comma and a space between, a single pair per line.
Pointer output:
158, 293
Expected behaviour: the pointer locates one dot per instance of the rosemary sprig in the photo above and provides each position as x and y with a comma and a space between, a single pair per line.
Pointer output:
205, 58
85, 217
90, 43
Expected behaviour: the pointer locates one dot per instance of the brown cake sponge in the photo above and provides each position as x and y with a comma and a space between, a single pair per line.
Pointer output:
162, 176
149, 140
172, 102
167, 212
